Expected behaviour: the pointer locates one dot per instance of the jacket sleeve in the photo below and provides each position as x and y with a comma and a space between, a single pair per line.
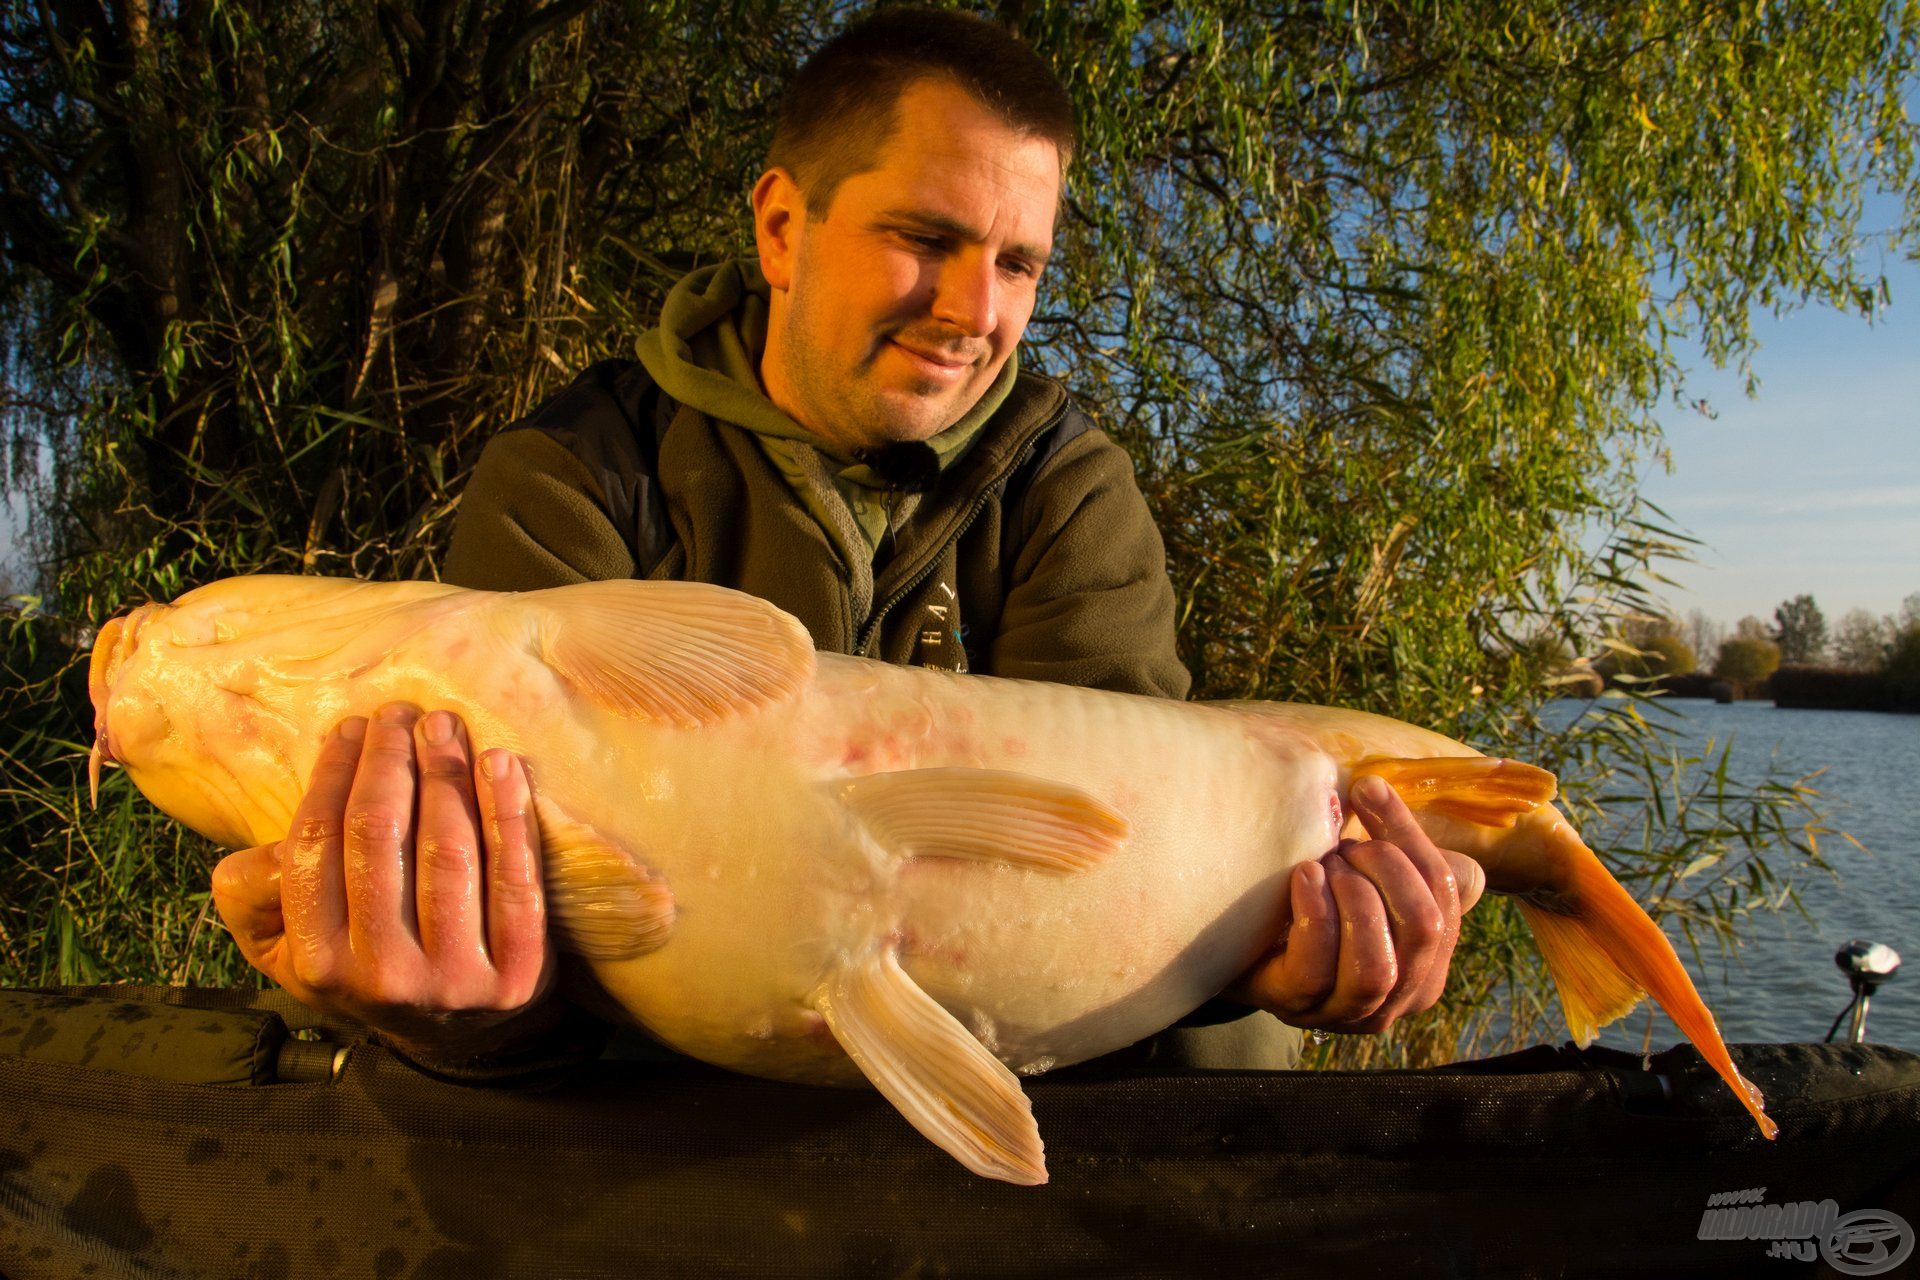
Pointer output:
1089, 602
556, 497
533, 515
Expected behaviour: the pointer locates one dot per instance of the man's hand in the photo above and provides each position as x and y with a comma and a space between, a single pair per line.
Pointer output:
1372, 925
386, 902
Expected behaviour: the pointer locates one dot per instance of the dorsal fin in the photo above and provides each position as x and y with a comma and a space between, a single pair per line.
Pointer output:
987, 815
685, 653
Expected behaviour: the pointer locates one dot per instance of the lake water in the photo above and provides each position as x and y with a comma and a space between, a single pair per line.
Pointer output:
1782, 985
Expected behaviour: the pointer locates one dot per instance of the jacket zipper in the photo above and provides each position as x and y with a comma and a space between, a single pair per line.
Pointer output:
877, 616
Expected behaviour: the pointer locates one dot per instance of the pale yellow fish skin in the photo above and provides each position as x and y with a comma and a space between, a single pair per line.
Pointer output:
222, 704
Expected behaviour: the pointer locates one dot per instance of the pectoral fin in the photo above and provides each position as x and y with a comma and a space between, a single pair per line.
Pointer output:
988, 815
685, 653
602, 903
1483, 789
934, 1071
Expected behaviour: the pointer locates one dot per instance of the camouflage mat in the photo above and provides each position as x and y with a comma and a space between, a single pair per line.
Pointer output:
184, 1132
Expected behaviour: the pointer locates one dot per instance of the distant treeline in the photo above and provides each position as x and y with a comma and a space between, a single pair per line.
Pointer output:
1867, 664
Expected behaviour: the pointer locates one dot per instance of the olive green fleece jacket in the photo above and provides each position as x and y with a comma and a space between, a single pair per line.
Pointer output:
1078, 594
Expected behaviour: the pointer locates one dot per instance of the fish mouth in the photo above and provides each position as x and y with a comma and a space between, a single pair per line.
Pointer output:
111, 649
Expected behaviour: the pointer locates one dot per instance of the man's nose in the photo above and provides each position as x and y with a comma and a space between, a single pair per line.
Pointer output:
964, 293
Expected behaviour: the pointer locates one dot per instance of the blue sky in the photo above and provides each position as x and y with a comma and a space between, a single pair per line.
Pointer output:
1814, 485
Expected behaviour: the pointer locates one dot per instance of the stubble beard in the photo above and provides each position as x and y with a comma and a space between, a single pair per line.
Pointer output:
849, 408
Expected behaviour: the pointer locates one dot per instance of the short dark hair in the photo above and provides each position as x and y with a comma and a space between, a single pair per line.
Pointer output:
841, 106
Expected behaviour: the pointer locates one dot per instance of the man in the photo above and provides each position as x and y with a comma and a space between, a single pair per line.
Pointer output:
839, 426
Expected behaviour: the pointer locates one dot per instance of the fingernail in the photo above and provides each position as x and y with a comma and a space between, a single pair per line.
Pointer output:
397, 713
439, 728
353, 728
1370, 790
498, 762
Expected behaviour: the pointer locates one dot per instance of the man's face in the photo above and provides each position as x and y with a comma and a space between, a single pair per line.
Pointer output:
893, 315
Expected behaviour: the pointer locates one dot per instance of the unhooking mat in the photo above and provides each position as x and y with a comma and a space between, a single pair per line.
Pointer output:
160, 1132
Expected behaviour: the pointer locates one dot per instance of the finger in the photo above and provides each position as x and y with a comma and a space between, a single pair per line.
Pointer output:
1385, 814
446, 846
516, 900
1297, 980
312, 877
1438, 868
381, 920
1367, 973
246, 893
1386, 817
1422, 934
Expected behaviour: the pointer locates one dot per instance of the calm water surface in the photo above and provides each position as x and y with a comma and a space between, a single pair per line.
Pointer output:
1782, 985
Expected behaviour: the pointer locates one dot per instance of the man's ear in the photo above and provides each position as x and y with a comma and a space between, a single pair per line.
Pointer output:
779, 217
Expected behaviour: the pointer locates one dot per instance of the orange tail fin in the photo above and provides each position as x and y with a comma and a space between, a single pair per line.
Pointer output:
1603, 951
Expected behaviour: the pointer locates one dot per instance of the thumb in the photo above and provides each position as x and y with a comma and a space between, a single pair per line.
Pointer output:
246, 892
1468, 876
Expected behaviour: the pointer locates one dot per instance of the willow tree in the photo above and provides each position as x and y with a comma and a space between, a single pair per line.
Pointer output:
1381, 297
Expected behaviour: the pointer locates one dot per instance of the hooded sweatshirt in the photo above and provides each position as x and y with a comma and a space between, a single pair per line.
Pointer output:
1016, 542
705, 353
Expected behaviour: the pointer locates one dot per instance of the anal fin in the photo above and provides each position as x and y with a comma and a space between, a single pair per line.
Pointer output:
602, 903
987, 815
934, 1071
1483, 789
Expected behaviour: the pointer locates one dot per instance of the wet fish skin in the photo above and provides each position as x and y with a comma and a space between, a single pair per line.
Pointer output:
821, 868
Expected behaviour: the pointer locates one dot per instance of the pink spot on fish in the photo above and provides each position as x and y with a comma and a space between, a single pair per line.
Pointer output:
914, 947
873, 751
1013, 746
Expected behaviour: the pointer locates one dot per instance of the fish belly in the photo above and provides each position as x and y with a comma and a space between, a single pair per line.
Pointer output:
1049, 970
778, 886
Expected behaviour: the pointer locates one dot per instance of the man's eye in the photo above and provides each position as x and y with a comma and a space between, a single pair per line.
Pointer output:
1016, 267
929, 243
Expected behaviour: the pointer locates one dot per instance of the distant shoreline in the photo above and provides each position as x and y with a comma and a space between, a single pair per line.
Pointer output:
1794, 688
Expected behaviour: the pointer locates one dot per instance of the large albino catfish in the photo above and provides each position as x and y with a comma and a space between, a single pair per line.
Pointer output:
818, 868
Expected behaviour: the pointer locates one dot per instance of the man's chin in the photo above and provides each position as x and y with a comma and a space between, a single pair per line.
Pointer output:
904, 415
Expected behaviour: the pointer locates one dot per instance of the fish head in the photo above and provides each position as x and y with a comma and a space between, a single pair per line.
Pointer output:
216, 704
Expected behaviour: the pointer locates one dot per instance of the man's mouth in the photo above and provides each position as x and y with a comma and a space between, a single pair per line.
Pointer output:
939, 364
